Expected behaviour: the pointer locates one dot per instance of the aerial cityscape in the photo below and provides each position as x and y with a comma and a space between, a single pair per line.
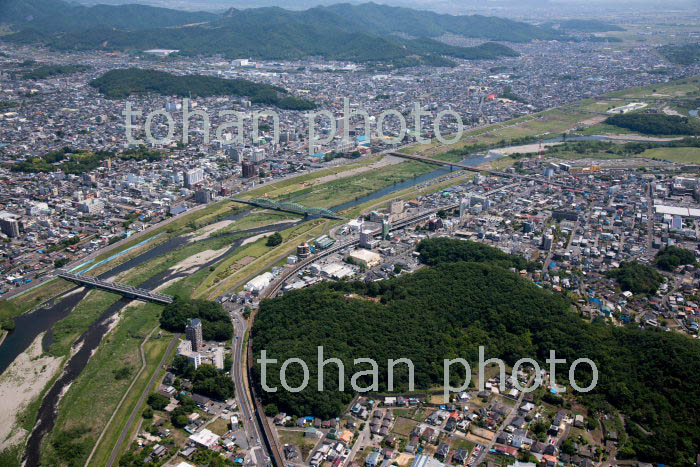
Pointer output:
289, 233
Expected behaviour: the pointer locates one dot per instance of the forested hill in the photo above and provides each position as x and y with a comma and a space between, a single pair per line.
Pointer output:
367, 18
655, 124
360, 33
447, 310
61, 16
385, 19
269, 40
687, 54
117, 84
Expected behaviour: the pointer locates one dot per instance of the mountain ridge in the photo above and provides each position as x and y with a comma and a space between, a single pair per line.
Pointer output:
367, 32
60, 16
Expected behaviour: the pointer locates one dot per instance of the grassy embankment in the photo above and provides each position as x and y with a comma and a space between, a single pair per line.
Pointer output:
104, 362
333, 190
188, 222
291, 186
124, 341
254, 258
153, 351
95, 394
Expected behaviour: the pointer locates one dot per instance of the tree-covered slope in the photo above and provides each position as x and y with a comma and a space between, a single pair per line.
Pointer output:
358, 33
687, 54
57, 15
655, 124
367, 18
116, 84
390, 19
487, 50
447, 311
50, 71
274, 39
637, 278
671, 257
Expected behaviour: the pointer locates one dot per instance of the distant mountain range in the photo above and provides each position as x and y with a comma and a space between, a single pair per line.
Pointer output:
508, 8
57, 16
444, 6
365, 32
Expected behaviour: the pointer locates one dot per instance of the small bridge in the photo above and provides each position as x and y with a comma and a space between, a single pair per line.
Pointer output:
289, 206
428, 160
125, 290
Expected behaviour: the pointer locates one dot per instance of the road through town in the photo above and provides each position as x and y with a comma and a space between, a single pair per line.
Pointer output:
250, 427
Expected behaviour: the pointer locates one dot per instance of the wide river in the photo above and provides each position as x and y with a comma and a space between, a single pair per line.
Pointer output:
30, 325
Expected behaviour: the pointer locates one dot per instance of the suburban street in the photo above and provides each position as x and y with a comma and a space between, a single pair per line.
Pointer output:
362, 437
506, 422
378, 179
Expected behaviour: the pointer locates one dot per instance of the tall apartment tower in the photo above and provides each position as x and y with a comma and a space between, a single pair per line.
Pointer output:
193, 177
193, 331
248, 170
9, 224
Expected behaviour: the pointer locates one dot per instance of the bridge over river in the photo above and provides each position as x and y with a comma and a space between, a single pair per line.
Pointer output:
289, 206
125, 290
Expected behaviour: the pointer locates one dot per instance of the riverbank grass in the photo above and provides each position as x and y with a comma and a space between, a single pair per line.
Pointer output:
70, 328
92, 398
153, 350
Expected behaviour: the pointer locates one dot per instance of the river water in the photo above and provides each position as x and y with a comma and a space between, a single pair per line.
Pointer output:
30, 325
471, 161
91, 338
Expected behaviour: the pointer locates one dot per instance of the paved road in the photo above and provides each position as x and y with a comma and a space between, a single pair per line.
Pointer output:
509, 418
137, 409
78, 261
573, 232
250, 427
106, 249
362, 438
138, 374
650, 221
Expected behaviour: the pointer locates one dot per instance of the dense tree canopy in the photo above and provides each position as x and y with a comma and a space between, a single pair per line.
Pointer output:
216, 322
68, 160
686, 54
447, 311
78, 161
118, 84
207, 380
655, 124
158, 401
212, 382
49, 71
274, 239
8, 104
637, 278
671, 257
441, 250
627, 149
141, 153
